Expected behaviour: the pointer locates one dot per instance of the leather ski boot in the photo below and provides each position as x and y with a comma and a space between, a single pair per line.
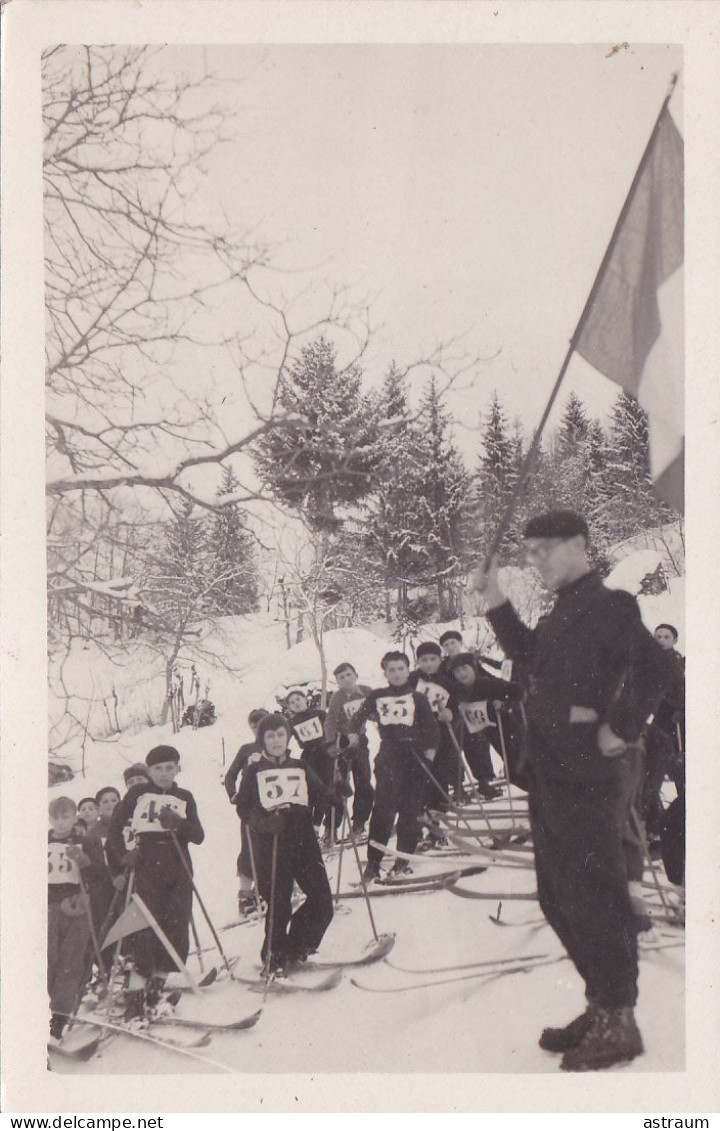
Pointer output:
569, 1036
613, 1038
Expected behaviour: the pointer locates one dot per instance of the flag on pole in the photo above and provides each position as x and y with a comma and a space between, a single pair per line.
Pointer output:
633, 331
131, 921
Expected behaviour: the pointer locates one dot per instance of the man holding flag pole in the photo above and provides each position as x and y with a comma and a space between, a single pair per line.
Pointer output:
593, 672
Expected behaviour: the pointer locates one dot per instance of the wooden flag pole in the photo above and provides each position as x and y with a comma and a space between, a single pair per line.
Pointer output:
532, 450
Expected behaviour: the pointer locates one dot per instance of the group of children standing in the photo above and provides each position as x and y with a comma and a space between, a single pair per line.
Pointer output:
108, 847
431, 721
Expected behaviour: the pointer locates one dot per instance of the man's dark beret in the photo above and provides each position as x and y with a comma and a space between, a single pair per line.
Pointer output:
556, 524
162, 754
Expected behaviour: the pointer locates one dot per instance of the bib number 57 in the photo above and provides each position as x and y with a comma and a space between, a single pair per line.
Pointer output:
282, 787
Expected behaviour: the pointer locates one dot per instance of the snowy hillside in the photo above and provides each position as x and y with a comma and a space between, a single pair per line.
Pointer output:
349, 1028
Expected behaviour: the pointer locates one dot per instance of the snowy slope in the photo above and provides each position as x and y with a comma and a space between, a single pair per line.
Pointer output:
350, 1029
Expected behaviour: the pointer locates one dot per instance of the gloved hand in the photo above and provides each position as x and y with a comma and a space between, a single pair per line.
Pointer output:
74, 905
446, 716
120, 882
75, 853
340, 791
169, 819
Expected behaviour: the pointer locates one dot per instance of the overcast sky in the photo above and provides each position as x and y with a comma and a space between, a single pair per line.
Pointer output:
471, 190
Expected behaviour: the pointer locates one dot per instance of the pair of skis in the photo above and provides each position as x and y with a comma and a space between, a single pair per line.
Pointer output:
488, 969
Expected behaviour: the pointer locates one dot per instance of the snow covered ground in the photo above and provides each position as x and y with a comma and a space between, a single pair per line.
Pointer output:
350, 1029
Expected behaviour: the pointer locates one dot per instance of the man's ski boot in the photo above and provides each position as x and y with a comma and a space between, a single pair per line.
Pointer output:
569, 1036
400, 869
247, 904
612, 1038
372, 872
488, 790
158, 1003
134, 1012
57, 1025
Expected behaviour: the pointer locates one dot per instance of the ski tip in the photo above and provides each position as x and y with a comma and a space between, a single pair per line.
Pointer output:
247, 1022
382, 945
209, 978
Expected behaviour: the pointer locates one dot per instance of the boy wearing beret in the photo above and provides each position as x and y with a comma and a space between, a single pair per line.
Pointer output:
163, 821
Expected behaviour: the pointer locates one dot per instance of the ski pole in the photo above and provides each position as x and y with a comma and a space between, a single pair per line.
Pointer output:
270, 927
196, 940
648, 860
431, 776
118, 945
363, 885
88, 969
343, 827
506, 763
253, 869
93, 932
188, 873
333, 820
463, 763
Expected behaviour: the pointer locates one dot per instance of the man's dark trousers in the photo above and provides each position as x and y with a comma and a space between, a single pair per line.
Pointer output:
582, 883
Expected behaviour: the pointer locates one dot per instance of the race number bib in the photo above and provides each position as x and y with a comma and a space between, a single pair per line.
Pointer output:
396, 711
475, 716
285, 786
352, 707
129, 838
436, 695
61, 869
146, 818
309, 729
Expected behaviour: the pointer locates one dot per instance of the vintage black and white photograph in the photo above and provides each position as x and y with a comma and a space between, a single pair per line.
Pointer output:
366, 686
365, 558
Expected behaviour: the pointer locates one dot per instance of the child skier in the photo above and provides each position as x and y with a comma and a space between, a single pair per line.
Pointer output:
343, 705
479, 698
135, 775
277, 796
307, 725
87, 812
165, 821
106, 799
69, 855
431, 682
246, 900
409, 734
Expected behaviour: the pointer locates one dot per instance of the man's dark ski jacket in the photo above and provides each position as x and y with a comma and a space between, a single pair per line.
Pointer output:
591, 655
